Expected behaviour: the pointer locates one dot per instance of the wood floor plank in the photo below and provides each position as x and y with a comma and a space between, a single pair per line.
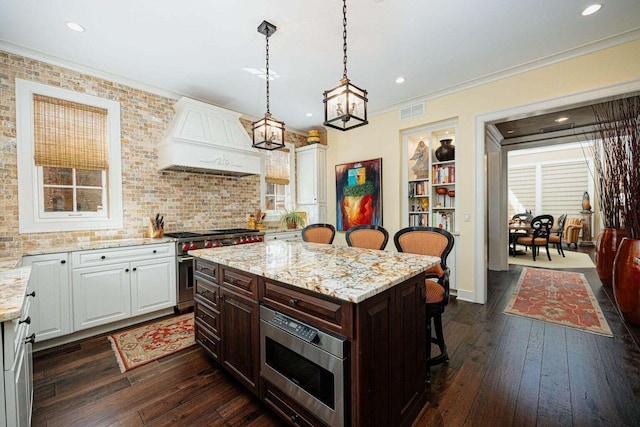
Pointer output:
526, 411
555, 395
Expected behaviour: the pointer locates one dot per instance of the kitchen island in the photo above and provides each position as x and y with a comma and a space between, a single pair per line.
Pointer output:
371, 300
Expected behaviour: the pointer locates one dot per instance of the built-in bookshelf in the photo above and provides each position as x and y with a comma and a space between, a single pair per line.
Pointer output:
431, 183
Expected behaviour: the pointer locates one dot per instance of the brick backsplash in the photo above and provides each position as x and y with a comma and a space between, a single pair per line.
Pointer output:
187, 200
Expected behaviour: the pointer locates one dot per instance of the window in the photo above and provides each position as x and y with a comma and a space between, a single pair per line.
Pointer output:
279, 186
68, 160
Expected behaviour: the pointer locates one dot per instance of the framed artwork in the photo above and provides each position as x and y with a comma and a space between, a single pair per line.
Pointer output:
358, 194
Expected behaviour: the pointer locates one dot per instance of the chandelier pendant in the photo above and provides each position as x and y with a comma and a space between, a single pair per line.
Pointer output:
268, 132
345, 106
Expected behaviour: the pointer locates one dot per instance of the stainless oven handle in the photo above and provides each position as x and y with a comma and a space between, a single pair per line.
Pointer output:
185, 258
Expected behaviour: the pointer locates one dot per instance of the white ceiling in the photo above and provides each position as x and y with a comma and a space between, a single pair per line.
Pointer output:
198, 48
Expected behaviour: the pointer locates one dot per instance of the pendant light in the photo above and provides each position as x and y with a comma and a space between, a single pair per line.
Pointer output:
268, 133
345, 106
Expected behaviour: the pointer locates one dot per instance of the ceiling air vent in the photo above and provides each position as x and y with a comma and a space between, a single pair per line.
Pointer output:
556, 128
412, 111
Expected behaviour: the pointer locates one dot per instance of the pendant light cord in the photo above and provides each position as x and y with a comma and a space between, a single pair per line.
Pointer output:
344, 36
267, 76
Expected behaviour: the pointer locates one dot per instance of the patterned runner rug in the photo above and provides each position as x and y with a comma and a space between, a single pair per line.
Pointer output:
560, 297
138, 346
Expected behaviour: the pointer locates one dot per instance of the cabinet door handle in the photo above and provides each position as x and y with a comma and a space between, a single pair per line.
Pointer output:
155, 251
63, 262
135, 268
30, 339
32, 294
27, 320
126, 270
103, 257
293, 302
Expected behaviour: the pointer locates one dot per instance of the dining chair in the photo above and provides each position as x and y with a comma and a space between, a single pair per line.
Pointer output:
519, 218
555, 238
319, 233
367, 236
541, 229
435, 242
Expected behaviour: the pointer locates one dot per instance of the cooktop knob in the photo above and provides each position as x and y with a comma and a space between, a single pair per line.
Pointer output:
208, 244
185, 247
193, 246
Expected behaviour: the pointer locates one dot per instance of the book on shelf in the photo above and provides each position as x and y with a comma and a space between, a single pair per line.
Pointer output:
444, 220
419, 220
444, 174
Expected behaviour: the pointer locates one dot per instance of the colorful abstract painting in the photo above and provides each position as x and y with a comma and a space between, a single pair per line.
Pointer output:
359, 194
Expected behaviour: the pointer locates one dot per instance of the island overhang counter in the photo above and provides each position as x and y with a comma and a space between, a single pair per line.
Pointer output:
373, 299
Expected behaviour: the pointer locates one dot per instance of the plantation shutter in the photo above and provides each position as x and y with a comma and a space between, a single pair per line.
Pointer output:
69, 135
277, 167
522, 189
563, 185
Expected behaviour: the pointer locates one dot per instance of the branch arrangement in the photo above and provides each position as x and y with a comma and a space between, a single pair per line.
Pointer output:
617, 163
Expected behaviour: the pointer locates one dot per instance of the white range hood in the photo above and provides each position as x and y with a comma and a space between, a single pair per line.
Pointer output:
207, 139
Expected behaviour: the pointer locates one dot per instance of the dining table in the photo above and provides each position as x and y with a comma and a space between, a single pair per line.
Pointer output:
517, 229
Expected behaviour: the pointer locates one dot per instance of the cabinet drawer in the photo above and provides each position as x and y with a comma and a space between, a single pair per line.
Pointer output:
208, 316
325, 312
239, 281
15, 332
208, 269
207, 339
287, 408
132, 253
207, 291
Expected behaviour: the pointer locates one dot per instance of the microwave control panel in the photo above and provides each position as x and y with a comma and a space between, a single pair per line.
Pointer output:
294, 327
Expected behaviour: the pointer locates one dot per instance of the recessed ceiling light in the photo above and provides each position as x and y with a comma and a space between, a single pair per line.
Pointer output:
75, 27
309, 115
561, 119
510, 131
400, 80
590, 10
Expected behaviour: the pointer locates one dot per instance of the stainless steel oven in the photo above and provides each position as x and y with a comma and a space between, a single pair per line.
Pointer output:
307, 364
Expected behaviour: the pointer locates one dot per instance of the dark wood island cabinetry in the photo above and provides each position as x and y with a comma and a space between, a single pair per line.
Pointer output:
384, 328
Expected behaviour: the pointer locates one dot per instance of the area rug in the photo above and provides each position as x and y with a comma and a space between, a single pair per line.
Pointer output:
139, 346
571, 260
560, 297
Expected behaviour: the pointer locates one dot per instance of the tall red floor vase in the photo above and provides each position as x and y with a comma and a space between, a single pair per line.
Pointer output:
626, 280
607, 244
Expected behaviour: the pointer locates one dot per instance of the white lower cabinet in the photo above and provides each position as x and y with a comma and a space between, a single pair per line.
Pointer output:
50, 280
107, 289
18, 368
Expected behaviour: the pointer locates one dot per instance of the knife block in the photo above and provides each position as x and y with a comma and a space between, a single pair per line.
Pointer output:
154, 233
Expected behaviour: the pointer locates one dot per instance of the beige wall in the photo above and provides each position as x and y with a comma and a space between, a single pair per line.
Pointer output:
382, 137
187, 200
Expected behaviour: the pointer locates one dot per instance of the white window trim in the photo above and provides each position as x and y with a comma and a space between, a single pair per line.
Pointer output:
290, 202
28, 204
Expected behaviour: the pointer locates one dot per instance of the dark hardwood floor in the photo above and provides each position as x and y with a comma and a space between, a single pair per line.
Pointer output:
503, 371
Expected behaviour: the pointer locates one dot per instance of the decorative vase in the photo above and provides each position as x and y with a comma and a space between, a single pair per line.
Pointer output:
586, 203
313, 137
446, 151
626, 280
607, 244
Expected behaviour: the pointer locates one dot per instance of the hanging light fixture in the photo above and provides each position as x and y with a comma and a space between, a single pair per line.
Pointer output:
345, 106
268, 133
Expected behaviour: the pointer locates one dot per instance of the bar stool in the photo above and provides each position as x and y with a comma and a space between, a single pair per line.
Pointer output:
319, 233
367, 236
435, 242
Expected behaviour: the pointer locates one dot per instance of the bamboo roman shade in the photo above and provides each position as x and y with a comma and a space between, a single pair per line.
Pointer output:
277, 167
69, 135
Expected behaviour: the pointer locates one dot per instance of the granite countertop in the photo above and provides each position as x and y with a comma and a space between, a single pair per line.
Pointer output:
13, 287
346, 273
100, 244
